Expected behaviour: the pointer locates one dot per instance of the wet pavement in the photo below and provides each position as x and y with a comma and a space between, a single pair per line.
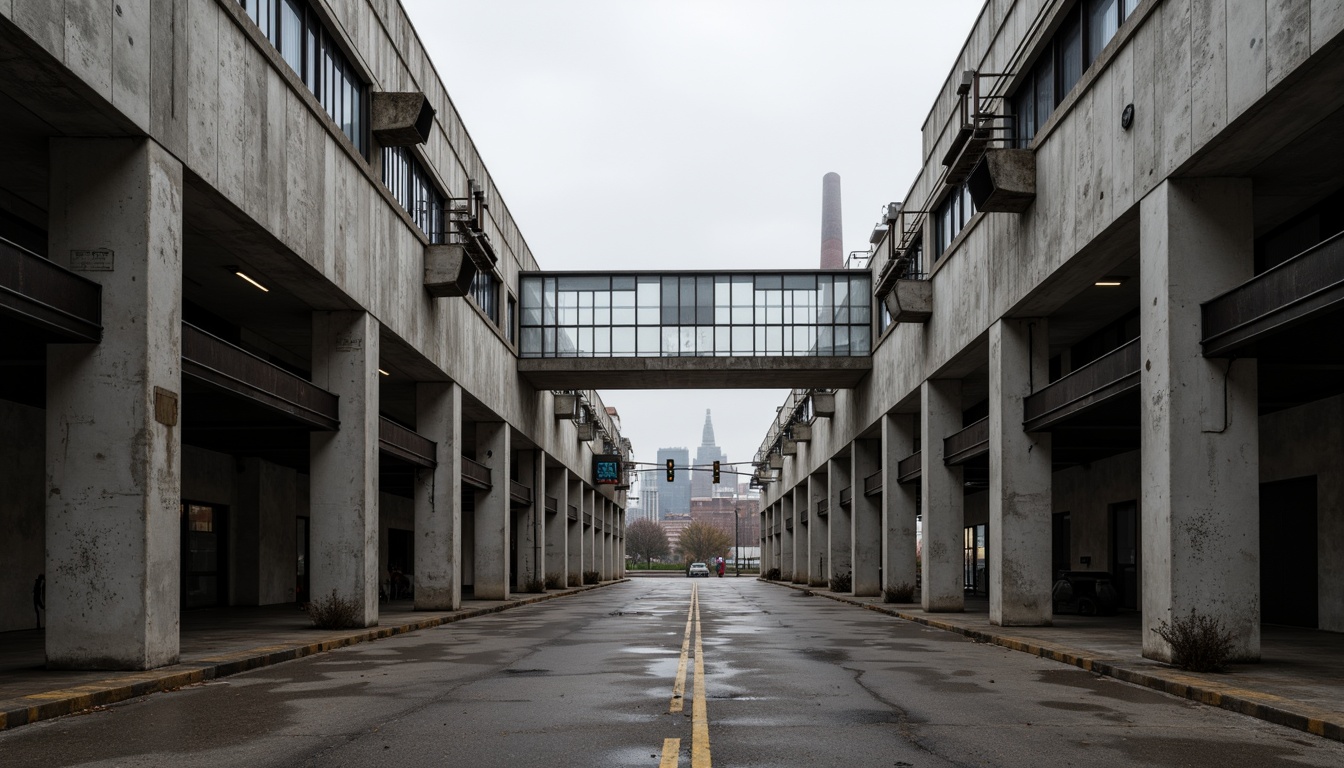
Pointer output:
788, 679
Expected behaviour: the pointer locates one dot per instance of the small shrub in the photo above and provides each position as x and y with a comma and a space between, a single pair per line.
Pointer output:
553, 580
534, 585
842, 582
592, 577
901, 593
575, 580
772, 574
332, 612
1199, 643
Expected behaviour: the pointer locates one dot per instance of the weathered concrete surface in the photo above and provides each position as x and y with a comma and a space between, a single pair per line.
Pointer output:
840, 526
1200, 435
943, 498
1019, 477
557, 536
900, 537
492, 529
343, 465
113, 451
818, 531
866, 520
438, 499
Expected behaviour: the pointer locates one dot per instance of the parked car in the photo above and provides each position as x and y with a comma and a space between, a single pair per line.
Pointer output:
698, 569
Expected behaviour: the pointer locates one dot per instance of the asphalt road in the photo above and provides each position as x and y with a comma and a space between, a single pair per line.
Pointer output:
783, 680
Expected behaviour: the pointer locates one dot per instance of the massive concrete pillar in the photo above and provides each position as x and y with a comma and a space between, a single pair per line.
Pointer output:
898, 503
1019, 478
528, 532
492, 516
817, 531
557, 537
776, 539
802, 540
608, 568
113, 449
343, 465
1200, 440
944, 499
786, 531
591, 558
438, 499
574, 549
262, 533
767, 542
866, 519
840, 529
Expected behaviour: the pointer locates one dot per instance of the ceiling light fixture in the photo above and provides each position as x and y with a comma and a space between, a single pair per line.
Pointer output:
253, 282
1110, 281
385, 373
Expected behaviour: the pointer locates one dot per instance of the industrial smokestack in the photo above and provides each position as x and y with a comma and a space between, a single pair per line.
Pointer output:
832, 235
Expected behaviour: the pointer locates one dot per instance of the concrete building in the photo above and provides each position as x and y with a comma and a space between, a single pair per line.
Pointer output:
259, 317
720, 512
674, 498
1108, 340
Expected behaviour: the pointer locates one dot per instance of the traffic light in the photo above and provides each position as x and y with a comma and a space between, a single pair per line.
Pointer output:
671, 470
716, 473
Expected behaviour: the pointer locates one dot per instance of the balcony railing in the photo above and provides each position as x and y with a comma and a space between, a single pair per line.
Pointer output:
552, 505
823, 507
519, 495
220, 364
846, 496
476, 474
910, 469
970, 443
1094, 384
48, 296
1306, 286
872, 484
405, 444
573, 513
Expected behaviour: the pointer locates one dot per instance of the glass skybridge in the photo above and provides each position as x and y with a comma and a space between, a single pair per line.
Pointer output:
655, 329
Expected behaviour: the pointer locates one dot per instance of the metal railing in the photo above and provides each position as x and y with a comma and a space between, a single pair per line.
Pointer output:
1111, 374
969, 443
406, 444
519, 494
872, 484
910, 468
476, 474
49, 295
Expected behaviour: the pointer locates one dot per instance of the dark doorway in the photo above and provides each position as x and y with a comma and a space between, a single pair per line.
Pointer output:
1125, 552
1288, 576
1061, 556
301, 564
977, 560
400, 562
204, 556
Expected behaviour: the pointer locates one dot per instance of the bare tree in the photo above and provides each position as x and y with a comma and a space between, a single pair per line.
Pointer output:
645, 540
702, 542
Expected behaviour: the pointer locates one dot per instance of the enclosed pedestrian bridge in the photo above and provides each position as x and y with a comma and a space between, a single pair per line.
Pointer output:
685, 330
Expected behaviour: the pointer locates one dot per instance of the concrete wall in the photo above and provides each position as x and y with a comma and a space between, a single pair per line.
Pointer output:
1309, 440
1087, 492
22, 469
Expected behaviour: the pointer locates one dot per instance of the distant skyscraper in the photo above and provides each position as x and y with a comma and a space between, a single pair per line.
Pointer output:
832, 233
675, 497
702, 481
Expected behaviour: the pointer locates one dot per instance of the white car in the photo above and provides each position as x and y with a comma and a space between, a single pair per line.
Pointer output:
698, 569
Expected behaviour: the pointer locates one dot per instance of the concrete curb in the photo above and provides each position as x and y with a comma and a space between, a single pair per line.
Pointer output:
44, 706
1257, 704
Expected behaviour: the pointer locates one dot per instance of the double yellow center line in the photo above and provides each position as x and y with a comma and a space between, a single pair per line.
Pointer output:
699, 714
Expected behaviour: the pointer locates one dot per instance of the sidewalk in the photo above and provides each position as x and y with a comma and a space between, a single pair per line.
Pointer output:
1299, 681
214, 643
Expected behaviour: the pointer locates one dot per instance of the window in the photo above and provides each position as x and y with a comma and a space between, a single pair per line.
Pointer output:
304, 43
485, 292
512, 321
413, 187
1081, 38
952, 214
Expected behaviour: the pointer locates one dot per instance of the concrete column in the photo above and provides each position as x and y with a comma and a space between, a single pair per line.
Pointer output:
767, 548
528, 535
818, 545
438, 499
898, 503
557, 537
574, 549
590, 555
776, 540
343, 465
608, 568
866, 520
491, 530
262, 539
1019, 478
802, 540
620, 554
1199, 507
113, 448
786, 547
944, 500
840, 530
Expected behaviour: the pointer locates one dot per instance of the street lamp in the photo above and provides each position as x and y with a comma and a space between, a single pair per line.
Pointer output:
737, 551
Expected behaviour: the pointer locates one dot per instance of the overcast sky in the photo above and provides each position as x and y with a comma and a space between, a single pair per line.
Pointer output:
692, 135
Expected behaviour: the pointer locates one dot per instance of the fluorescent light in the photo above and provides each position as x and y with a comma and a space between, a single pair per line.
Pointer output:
1107, 283
253, 282
385, 373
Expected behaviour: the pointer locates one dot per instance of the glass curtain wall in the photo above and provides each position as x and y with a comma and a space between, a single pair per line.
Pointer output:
674, 315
